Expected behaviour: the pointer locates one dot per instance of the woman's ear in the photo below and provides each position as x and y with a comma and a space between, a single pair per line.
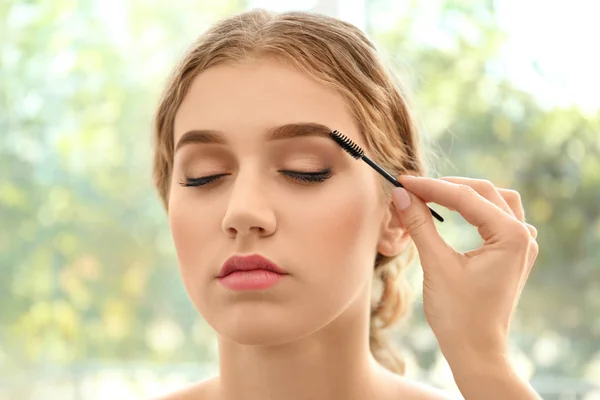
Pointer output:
393, 237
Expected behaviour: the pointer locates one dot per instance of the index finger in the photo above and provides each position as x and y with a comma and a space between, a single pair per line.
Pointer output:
490, 219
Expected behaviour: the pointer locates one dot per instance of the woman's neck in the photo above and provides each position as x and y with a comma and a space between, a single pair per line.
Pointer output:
333, 363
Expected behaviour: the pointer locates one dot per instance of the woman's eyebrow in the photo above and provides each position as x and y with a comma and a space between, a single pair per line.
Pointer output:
287, 131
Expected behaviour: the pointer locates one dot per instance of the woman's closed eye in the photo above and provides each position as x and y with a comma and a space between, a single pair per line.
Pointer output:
298, 176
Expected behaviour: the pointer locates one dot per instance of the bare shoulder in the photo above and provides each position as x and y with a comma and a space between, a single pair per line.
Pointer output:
404, 388
198, 391
420, 391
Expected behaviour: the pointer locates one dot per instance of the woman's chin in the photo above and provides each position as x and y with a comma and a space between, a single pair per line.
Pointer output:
254, 330
257, 337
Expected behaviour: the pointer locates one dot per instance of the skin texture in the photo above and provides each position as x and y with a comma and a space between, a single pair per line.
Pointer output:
307, 337
320, 311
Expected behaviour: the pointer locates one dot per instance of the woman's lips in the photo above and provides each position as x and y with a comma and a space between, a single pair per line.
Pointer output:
252, 272
258, 279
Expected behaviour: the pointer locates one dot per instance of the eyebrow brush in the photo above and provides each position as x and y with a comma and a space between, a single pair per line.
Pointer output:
357, 152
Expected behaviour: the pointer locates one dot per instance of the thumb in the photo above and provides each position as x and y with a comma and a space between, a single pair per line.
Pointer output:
417, 220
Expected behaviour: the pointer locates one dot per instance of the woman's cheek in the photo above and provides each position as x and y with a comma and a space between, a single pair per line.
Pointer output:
342, 226
188, 228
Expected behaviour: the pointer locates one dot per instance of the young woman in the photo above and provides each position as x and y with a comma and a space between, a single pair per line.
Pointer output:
281, 236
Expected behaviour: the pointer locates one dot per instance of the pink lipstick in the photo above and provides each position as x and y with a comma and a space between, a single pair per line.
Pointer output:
253, 272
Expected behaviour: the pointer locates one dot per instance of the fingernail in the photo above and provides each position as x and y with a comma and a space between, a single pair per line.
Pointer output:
401, 198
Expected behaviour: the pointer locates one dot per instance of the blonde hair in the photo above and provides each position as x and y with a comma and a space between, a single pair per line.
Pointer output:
336, 54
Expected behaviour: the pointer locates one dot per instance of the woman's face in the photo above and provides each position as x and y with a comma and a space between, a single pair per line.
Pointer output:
324, 233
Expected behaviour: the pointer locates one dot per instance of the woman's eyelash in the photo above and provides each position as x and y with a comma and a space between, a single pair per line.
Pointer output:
307, 177
205, 180
317, 176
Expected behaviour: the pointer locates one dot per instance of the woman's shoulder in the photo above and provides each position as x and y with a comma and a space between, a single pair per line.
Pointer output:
399, 388
405, 388
197, 391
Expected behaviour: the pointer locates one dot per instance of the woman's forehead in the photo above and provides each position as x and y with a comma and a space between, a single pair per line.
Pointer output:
266, 97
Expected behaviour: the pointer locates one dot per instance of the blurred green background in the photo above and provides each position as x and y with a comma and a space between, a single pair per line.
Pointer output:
92, 304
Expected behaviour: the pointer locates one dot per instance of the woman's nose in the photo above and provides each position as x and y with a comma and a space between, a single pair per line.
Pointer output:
249, 211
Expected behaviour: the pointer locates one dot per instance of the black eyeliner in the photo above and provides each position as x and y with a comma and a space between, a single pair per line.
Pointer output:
193, 182
308, 177
314, 176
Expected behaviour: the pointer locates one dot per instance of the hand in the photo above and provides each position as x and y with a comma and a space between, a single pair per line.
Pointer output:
469, 298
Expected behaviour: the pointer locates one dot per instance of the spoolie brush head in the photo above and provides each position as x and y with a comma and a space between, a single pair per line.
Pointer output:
347, 144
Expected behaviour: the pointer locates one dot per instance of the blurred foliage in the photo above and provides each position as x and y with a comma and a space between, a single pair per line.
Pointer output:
87, 267
485, 127
86, 259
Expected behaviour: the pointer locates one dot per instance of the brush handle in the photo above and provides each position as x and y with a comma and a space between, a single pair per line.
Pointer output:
394, 182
